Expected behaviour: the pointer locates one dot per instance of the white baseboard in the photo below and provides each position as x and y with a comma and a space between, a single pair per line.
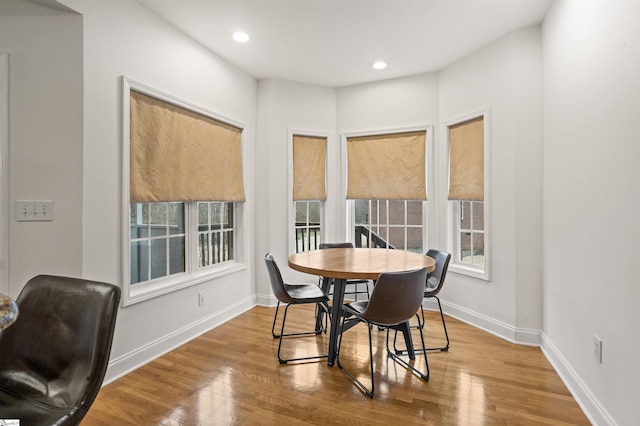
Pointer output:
125, 364
596, 414
594, 411
521, 336
268, 300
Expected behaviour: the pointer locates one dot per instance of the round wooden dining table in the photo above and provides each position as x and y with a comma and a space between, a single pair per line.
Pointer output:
340, 264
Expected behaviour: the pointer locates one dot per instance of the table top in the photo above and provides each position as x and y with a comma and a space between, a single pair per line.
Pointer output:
358, 263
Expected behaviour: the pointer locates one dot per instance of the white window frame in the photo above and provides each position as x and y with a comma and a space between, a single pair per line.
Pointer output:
291, 213
4, 172
427, 211
482, 272
135, 293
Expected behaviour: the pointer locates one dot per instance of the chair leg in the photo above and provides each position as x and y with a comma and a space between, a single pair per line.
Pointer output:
357, 382
282, 334
444, 348
273, 326
421, 324
396, 356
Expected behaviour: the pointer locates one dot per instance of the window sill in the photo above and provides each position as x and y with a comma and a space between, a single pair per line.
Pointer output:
470, 271
145, 291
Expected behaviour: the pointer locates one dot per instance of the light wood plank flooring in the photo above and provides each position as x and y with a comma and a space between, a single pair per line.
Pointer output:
231, 376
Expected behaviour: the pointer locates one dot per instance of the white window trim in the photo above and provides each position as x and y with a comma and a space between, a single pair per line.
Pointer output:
483, 273
291, 211
132, 294
4, 172
348, 207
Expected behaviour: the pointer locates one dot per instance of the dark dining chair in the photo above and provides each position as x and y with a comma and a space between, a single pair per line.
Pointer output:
395, 299
355, 290
433, 285
54, 357
435, 281
294, 294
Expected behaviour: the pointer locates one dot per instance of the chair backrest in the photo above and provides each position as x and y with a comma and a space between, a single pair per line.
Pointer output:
435, 279
396, 297
57, 352
277, 284
335, 245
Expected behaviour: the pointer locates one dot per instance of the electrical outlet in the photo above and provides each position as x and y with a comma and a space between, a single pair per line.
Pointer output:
201, 298
34, 211
597, 349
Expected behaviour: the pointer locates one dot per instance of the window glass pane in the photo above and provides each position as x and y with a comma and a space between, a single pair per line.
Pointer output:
414, 240
203, 250
158, 258
382, 232
361, 208
478, 215
414, 212
139, 263
465, 247
176, 218
381, 211
396, 238
301, 212
228, 215
177, 255
314, 213
139, 222
465, 214
396, 212
158, 219
216, 215
478, 248
228, 245
203, 216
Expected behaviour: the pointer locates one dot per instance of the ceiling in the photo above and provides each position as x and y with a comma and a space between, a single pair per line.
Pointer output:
333, 43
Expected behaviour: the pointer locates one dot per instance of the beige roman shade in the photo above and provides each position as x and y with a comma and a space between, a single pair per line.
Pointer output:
180, 155
387, 167
466, 160
309, 159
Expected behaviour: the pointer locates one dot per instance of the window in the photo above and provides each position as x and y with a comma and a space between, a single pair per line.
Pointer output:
307, 225
160, 239
468, 143
175, 155
397, 224
308, 189
387, 188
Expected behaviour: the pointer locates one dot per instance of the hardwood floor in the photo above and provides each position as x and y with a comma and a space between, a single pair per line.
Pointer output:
230, 375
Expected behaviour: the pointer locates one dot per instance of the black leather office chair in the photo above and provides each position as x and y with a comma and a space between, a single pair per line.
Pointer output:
54, 357
355, 291
294, 294
395, 299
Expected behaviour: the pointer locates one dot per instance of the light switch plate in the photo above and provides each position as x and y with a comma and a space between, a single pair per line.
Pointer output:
34, 211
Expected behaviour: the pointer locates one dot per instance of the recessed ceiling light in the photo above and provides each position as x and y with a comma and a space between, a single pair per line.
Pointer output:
241, 37
380, 65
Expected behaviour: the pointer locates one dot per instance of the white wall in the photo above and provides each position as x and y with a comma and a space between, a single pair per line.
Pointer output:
123, 38
283, 107
505, 78
45, 140
591, 201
